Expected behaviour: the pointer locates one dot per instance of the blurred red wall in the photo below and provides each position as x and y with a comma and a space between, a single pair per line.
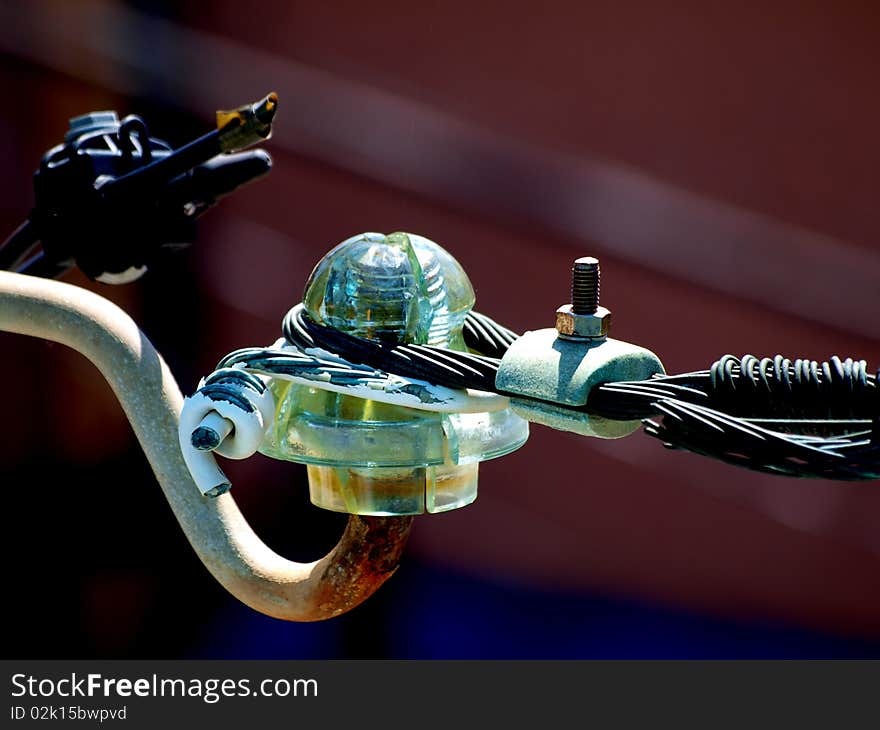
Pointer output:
569, 129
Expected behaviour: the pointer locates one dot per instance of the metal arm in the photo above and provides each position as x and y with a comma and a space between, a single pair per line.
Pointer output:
366, 555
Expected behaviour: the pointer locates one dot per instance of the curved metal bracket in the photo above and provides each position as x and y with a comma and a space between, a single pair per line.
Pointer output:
366, 555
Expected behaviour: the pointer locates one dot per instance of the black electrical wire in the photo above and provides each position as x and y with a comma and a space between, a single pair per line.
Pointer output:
799, 418
750, 387
227, 383
485, 336
296, 363
852, 455
449, 368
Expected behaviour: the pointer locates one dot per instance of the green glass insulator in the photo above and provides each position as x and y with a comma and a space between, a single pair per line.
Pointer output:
373, 458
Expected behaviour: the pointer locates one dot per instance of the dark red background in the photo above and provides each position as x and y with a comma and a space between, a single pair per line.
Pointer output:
720, 160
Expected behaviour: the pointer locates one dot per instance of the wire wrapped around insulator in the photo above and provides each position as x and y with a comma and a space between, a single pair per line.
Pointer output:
229, 414
449, 368
326, 371
237, 387
293, 362
799, 418
484, 335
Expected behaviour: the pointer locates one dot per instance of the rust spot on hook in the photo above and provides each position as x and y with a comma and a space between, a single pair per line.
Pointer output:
367, 555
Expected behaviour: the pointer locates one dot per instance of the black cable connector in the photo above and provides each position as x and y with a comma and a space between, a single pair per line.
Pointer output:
111, 199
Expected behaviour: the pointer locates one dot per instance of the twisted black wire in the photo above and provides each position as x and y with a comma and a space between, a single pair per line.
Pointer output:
437, 365
293, 362
485, 336
799, 418
226, 383
794, 390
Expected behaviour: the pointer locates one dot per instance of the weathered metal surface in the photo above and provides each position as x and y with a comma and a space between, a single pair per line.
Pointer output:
547, 367
566, 419
365, 556
583, 317
556, 369
364, 559
571, 324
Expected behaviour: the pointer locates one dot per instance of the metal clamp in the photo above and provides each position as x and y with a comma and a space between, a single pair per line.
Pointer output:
554, 370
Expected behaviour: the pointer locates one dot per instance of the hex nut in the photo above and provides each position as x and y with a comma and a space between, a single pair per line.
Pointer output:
577, 326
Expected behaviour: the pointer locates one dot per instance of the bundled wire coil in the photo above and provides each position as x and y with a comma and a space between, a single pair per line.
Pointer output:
799, 418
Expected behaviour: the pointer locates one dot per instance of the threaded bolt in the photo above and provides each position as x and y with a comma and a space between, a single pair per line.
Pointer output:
585, 285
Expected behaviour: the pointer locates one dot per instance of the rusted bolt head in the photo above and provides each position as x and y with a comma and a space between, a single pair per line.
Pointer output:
577, 326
